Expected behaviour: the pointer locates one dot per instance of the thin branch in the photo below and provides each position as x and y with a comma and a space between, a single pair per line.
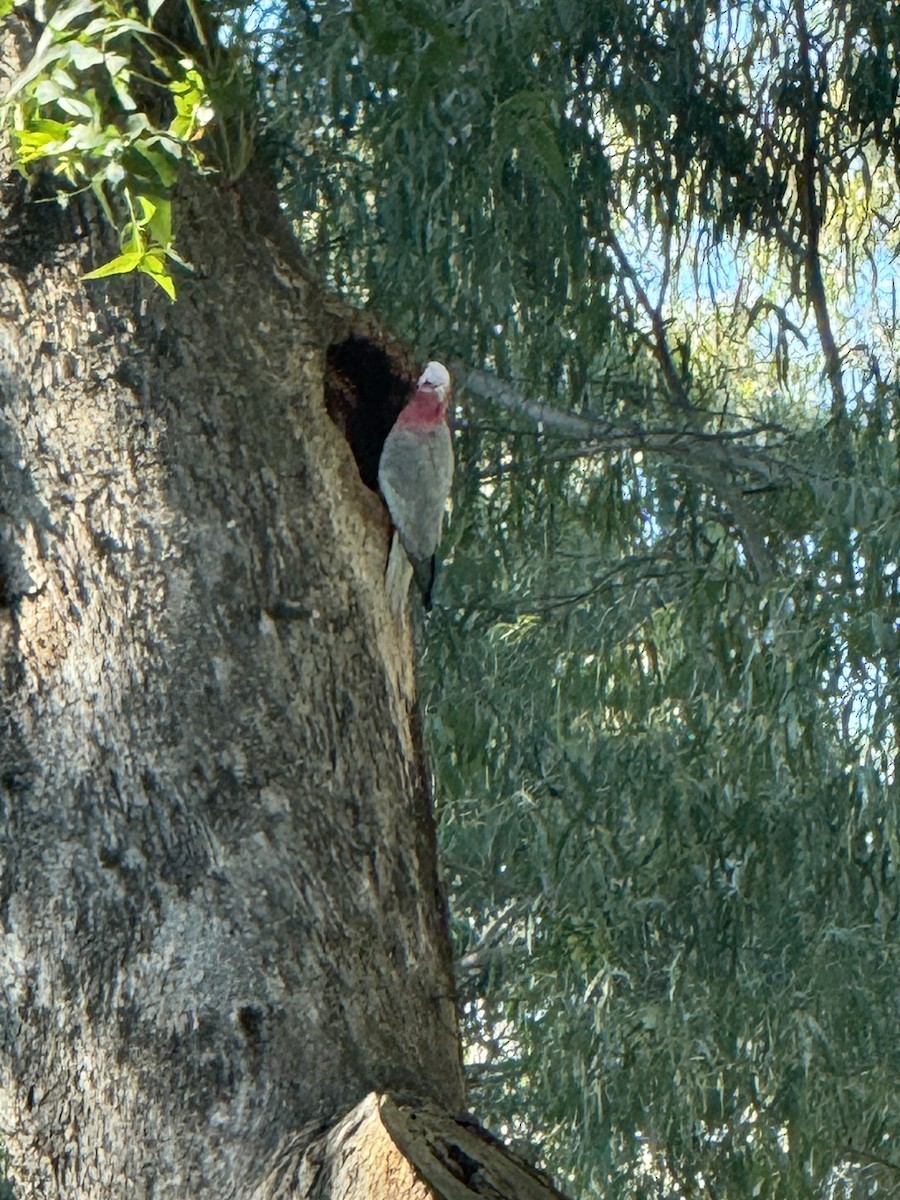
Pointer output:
717, 459
864, 1158
654, 312
644, 567
809, 171
711, 456
489, 942
594, 435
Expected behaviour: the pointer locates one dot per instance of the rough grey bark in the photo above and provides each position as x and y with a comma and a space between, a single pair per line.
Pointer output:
220, 917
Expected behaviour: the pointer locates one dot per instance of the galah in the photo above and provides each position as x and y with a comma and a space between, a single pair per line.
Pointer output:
414, 474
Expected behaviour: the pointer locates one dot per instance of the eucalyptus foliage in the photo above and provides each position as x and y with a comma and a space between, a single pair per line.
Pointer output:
658, 241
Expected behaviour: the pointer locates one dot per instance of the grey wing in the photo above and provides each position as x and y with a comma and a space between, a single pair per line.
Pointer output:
415, 474
442, 456
439, 471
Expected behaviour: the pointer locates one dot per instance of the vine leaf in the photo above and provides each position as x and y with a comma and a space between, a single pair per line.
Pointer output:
72, 113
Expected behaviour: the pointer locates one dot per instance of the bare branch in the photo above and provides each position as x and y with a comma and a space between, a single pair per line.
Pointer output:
716, 458
654, 312
595, 435
808, 172
850, 1154
493, 936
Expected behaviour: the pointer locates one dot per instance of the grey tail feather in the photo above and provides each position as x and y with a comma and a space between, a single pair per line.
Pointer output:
397, 576
424, 569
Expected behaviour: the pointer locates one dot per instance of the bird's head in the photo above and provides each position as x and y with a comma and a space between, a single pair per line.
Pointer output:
435, 379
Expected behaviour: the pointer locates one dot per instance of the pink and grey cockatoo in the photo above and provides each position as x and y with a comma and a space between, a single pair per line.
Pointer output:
414, 474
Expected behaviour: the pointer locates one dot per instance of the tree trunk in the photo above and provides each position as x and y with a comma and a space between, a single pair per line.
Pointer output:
220, 917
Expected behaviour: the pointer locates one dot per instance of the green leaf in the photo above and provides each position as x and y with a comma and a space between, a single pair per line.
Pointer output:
163, 166
64, 16
155, 266
46, 91
45, 127
115, 62
192, 106
138, 123
160, 222
133, 241
77, 108
174, 257
145, 208
47, 52
64, 81
115, 29
121, 265
84, 56
42, 139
